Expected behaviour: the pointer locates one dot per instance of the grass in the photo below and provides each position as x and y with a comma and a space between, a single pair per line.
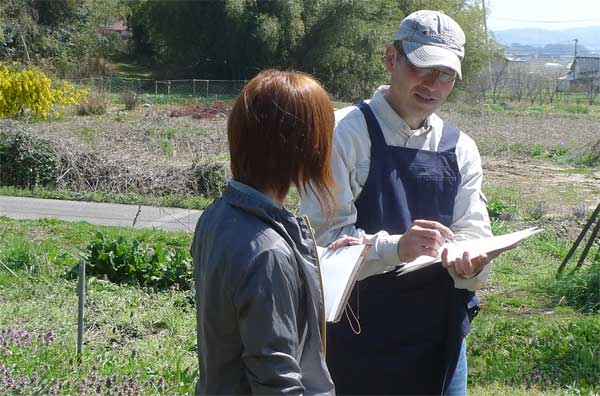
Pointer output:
531, 337
137, 339
131, 70
183, 99
523, 342
175, 201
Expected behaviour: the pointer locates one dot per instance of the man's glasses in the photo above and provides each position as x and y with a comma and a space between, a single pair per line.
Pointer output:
427, 72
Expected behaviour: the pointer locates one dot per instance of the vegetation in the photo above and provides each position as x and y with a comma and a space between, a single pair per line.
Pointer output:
27, 161
140, 263
536, 334
169, 200
526, 340
29, 92
61, 36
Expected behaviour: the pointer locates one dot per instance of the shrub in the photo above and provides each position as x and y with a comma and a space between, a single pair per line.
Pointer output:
130, 99
30, 90
577, 109
500, 210
96, 66
580, 211
536, 211
96, 104
27, 161
137, 262
211, 178
580, 289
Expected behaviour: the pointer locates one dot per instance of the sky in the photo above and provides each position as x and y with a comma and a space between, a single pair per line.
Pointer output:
545, 14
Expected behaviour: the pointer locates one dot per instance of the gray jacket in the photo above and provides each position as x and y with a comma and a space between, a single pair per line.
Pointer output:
259, 300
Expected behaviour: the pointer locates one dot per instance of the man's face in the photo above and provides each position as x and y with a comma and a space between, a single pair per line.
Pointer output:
416, 93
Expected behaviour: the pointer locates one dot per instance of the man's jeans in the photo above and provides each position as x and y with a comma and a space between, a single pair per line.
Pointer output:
458, 384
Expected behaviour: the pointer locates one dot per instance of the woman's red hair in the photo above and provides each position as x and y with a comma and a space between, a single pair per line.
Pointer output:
280, 133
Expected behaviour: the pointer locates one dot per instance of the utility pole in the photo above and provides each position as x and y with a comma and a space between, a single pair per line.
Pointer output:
487, 39
574, 57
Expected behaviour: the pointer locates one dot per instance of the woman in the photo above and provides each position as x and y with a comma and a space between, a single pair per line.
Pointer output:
258, 288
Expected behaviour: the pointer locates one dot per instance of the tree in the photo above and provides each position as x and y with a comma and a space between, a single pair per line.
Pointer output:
58, 35
341, 42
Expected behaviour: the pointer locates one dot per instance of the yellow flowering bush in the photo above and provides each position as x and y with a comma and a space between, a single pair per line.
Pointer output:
30, 89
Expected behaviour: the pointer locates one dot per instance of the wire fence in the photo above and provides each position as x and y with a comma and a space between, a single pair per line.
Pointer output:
192, 87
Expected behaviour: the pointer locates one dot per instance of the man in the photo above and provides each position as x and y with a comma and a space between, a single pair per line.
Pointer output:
407, 182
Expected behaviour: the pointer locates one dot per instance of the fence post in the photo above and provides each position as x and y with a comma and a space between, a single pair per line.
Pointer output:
80, 307
194, 87
169, 88
206, 89
155, 87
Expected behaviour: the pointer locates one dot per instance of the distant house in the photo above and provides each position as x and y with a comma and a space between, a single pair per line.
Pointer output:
584, 73
118, 27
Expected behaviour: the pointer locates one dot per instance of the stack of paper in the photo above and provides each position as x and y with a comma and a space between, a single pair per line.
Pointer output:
339, 270
475, 247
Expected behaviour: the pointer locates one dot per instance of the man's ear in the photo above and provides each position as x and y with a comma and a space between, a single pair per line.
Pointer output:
390, 58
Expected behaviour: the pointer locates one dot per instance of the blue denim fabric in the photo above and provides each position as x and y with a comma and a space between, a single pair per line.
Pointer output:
458, 384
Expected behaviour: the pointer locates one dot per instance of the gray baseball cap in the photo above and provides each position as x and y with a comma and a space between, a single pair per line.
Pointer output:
432, 39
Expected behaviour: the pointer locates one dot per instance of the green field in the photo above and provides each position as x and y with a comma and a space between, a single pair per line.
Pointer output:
534, 336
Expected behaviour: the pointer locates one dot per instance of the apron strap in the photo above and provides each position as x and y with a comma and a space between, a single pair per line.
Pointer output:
375, 132
450, 135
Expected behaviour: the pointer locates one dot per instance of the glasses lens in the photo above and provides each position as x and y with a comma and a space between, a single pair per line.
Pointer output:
447, 77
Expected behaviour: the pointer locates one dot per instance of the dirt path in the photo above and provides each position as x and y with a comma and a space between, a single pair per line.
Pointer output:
559, 187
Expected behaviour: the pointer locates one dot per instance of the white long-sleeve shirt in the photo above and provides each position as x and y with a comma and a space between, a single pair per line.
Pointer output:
350, 165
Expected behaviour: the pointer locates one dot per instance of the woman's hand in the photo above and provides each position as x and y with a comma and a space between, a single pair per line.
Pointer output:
344, 241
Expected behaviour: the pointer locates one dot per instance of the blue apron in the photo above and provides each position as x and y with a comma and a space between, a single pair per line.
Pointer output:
412, 326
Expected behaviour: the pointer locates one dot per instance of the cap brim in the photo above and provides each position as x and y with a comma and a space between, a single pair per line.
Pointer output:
432, 56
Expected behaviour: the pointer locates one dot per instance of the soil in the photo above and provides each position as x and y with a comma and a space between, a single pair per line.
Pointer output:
200, 111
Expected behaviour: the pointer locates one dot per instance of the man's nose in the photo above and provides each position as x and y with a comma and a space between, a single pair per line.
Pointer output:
432, 78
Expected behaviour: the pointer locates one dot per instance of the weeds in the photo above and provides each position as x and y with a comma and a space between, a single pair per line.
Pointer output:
166, 200
96, 104
536, 211
580, 211
134, 261
130, 99
501, 210
581, 288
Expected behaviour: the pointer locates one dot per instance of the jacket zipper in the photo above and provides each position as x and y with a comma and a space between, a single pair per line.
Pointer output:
323, 323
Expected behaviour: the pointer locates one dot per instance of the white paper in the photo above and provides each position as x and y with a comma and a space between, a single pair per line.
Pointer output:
475, 247
339, 269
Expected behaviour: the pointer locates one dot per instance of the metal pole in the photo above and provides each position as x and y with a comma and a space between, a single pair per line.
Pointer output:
487, 40
194, 87
589, 244
587, 226
80, 307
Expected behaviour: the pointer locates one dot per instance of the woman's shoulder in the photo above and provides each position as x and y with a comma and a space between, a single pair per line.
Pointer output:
240, 233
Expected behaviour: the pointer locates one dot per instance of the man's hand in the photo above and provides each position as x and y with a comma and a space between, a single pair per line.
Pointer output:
423, 238
465, 267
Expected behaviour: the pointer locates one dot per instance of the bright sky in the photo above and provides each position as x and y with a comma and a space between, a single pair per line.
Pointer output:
545, 14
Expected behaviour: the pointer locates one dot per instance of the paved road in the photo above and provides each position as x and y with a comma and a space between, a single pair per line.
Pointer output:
100, 213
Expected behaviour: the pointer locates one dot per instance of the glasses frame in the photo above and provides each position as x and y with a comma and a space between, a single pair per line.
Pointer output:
427, 72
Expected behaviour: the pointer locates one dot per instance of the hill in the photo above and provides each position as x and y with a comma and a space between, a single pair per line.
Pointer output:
588, 37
